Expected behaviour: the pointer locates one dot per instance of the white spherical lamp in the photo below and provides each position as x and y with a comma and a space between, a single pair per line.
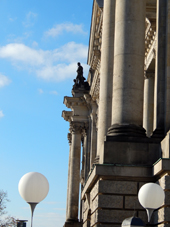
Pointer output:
33, 188
151, 196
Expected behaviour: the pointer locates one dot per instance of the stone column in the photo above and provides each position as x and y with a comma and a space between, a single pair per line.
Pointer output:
68, 180
93, 135
167, 124
85, 152
128, 78
106, 73
148, 105
73, 197
160, 78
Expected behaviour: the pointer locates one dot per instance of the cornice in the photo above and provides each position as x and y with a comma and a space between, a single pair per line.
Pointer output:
67, 115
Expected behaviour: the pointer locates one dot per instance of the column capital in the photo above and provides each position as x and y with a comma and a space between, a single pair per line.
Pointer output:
84, 129
69, 137
76, 127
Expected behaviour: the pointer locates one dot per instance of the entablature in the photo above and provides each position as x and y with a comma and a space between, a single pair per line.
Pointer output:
95, 41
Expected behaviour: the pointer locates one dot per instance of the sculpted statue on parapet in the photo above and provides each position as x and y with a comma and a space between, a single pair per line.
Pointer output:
80, 79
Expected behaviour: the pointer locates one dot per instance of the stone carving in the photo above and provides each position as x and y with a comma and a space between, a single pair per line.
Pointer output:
69, 136
76, 127
84, 132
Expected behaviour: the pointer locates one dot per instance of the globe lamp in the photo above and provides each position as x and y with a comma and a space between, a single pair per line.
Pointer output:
151, 196
33, 188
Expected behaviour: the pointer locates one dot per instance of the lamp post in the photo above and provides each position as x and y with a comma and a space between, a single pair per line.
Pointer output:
33, 188
151, 196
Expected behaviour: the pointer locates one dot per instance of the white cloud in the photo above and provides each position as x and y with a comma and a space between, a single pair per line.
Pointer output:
18, 52
12, 19
34, 44
30, 19
54, 92
67, 27
54, 65
1, 114
12, 38
4, 80
40, 91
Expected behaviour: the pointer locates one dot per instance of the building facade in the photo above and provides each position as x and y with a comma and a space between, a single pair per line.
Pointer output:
120, 118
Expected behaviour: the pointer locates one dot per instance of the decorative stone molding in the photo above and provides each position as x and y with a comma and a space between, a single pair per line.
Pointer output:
95, 87
70, 102
150, 42
67, 115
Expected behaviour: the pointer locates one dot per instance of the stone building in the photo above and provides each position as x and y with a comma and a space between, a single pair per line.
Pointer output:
120, 118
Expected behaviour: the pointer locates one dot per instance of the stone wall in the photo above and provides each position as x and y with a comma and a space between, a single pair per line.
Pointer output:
111, 202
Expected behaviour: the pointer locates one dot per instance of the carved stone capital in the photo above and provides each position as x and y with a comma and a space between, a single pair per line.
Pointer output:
76, 127
69, 137
85, 128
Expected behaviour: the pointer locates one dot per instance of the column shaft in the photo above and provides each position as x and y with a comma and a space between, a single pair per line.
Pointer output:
85, 151
73, 201
128, 78
160, 79
106, 73
93, 139
168, 68
148, 103
68, 181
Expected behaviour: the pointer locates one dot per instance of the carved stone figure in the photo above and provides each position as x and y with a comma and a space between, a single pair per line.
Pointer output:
80, 78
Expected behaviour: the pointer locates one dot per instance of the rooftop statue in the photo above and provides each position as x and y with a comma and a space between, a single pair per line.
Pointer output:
80, 82
80, 78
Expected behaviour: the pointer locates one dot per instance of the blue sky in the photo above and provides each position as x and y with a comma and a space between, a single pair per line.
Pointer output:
40, 45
